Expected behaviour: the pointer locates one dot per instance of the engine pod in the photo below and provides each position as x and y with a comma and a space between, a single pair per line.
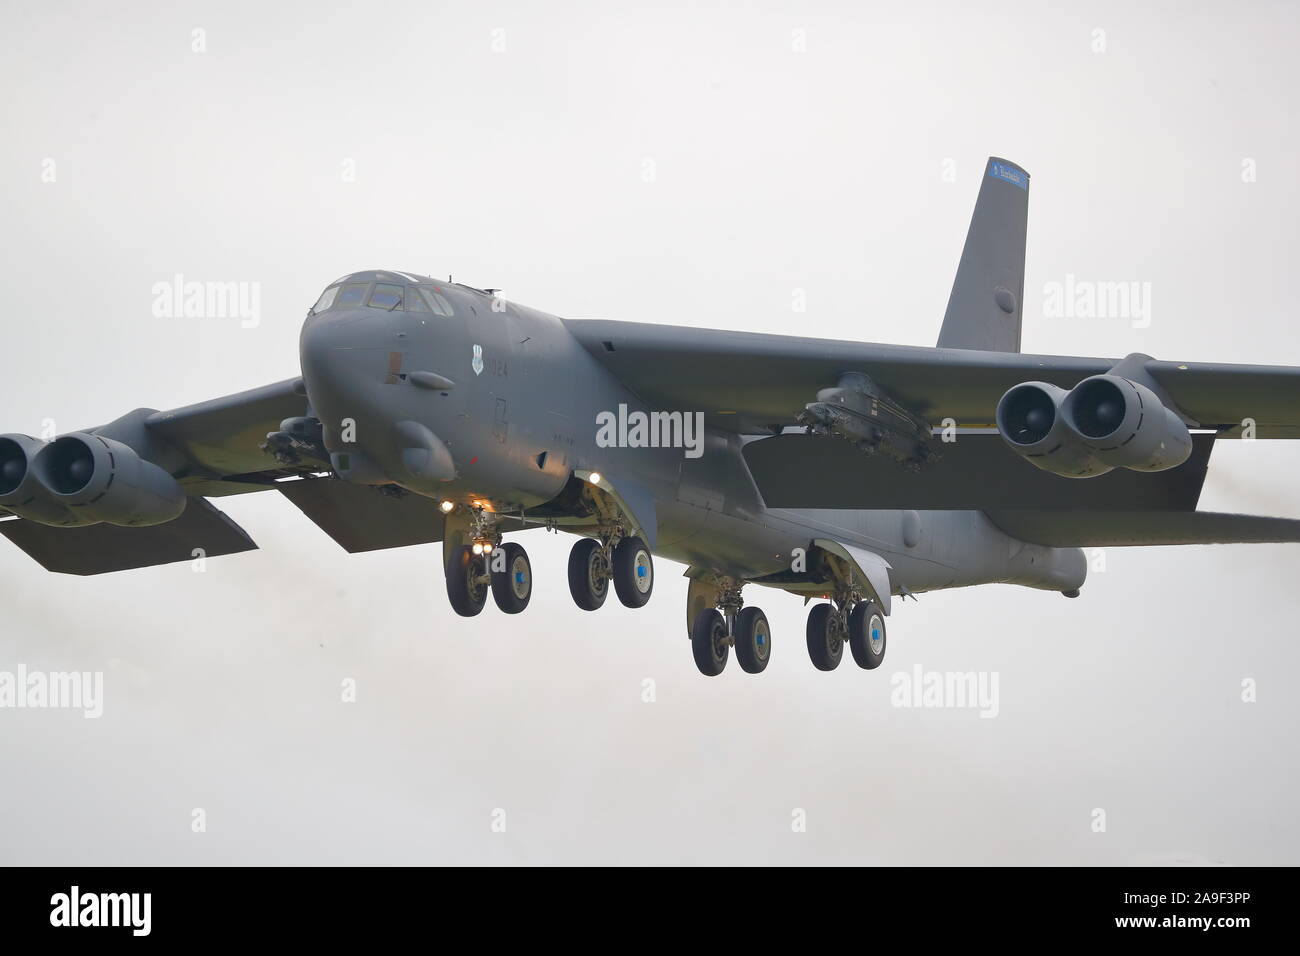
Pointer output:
1125, 425
105, 480
1030, 422
20, 490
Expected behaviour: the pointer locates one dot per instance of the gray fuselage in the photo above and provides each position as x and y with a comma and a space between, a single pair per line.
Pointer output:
519, 416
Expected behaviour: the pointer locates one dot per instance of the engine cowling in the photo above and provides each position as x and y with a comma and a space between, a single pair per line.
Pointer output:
101, 479
1125, 425
1029, 420
20, 490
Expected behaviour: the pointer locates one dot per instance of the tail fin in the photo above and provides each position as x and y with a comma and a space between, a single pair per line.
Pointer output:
984, 309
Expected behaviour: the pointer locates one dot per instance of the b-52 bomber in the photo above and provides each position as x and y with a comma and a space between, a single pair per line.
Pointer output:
848, 473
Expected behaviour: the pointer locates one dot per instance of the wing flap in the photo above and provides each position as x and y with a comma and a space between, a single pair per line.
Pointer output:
976, 472
361, 518
101, 548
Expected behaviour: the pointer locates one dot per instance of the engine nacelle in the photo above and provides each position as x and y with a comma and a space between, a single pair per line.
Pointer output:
1125, 425
1029, 420
104, 480
20, 490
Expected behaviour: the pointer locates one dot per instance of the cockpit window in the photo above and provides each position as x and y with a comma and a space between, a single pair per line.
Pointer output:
385, 296
414, 302
437, 304
350, 295
326, 299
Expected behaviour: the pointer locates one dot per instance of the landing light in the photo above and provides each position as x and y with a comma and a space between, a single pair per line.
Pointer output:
478, 548
447, 506
595, 478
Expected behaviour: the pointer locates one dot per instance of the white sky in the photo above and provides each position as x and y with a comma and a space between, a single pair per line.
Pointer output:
523, 169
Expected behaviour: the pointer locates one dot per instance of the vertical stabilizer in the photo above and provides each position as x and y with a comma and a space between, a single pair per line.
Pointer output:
984, 309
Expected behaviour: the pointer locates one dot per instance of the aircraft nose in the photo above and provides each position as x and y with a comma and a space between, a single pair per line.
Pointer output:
343, 361
318, 343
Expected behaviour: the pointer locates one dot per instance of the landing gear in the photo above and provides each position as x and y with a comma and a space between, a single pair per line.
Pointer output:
709, 642
634, 572
753, 640
867, 635
512, 578
589, 574
720, 623
826, 632
467, 581
595, 562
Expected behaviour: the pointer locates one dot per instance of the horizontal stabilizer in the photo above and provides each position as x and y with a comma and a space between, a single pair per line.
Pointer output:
977, 472
362, 518
99, 548
1090, 529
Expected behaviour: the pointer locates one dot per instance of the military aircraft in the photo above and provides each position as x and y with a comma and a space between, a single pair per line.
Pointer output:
850, 473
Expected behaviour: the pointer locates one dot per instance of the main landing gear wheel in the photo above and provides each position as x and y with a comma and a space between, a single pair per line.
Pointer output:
825, 637
867, 635
634, 572
512, 587
753, 640
709, 642
588, 574
467, 585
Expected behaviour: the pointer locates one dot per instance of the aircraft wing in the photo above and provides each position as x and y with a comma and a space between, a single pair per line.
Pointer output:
749, 382
213, 449
221, 437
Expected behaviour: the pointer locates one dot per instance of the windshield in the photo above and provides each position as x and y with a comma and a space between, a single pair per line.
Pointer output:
326, 299
387, 296
343, 296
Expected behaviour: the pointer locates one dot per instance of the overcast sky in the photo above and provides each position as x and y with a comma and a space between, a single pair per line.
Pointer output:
695, 164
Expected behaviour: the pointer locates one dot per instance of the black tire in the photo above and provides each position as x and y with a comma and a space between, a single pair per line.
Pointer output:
588, 587
512, 588
634, 572
465, 588
825, 640
753, 640
867, 635
707, 634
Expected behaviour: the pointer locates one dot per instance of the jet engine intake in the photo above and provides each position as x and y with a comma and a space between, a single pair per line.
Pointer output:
1125, 425
104, 480
20, 490
1029, 420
